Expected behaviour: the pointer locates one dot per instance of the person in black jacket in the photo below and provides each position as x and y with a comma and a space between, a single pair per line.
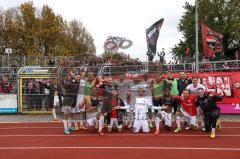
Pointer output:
210, 110
54, 97
31, 97
111, 105
183, 82
107, 86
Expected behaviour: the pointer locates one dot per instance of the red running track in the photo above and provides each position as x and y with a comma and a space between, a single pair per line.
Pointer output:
46, 141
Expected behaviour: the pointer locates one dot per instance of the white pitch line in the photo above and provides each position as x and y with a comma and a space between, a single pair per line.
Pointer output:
30, 122
54, 127
117, 135
129, 147
38, 127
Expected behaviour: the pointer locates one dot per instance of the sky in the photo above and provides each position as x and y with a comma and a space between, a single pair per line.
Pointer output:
124, 18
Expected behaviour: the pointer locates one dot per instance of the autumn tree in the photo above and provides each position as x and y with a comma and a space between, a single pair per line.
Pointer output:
41, 32
51, 27
80, 37
29, 28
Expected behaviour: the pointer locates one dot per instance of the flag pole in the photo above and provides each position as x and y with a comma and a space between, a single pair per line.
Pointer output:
196, 37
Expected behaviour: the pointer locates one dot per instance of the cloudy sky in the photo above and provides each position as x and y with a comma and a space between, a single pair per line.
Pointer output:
126, 18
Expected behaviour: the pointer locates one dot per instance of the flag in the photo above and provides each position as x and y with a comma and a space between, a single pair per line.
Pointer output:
152, 34
187, 51
212, 41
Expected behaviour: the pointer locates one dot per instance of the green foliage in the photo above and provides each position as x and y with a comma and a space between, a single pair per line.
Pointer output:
222, 16
29, 31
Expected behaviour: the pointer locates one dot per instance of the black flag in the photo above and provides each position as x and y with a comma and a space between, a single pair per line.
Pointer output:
152, 34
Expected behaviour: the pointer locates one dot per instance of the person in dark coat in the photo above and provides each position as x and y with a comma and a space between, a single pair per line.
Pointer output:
210, 110
31, 93
54, 97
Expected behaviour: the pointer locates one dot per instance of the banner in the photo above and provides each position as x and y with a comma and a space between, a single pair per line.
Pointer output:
8, 103
212, 41
113, 43
224, 83
152, 34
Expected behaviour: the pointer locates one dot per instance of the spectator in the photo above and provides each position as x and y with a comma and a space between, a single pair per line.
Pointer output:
30, 96
51, 63
0, 86
226, 67
6, 85
39, 96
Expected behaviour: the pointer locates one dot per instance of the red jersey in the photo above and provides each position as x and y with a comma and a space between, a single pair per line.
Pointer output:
114, 113
189, 105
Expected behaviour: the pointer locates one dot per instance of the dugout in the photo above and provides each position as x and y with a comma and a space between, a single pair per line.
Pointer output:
32, 92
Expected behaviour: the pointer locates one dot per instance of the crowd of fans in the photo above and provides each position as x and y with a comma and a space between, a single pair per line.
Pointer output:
5, 85
36, 94
135, 65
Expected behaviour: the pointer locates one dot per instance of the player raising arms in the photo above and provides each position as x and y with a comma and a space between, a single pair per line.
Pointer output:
70, 98
188, 110
81, 92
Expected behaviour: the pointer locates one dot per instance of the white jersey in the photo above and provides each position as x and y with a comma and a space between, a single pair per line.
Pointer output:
193, 90
81, 88
141, 108
80, 95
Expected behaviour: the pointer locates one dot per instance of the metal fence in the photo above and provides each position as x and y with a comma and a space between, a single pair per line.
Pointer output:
17, 60
8, 79
231, 65
33, 101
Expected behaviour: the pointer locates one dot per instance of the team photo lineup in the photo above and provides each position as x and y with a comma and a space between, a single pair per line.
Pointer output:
105, 104
130, 79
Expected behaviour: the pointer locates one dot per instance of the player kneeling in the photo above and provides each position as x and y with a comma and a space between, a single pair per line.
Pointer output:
211, 112
188, 111
168, 102
140, 110
95, 118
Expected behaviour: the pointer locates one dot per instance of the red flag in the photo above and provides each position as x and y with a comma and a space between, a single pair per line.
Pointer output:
187, 51
212, 41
